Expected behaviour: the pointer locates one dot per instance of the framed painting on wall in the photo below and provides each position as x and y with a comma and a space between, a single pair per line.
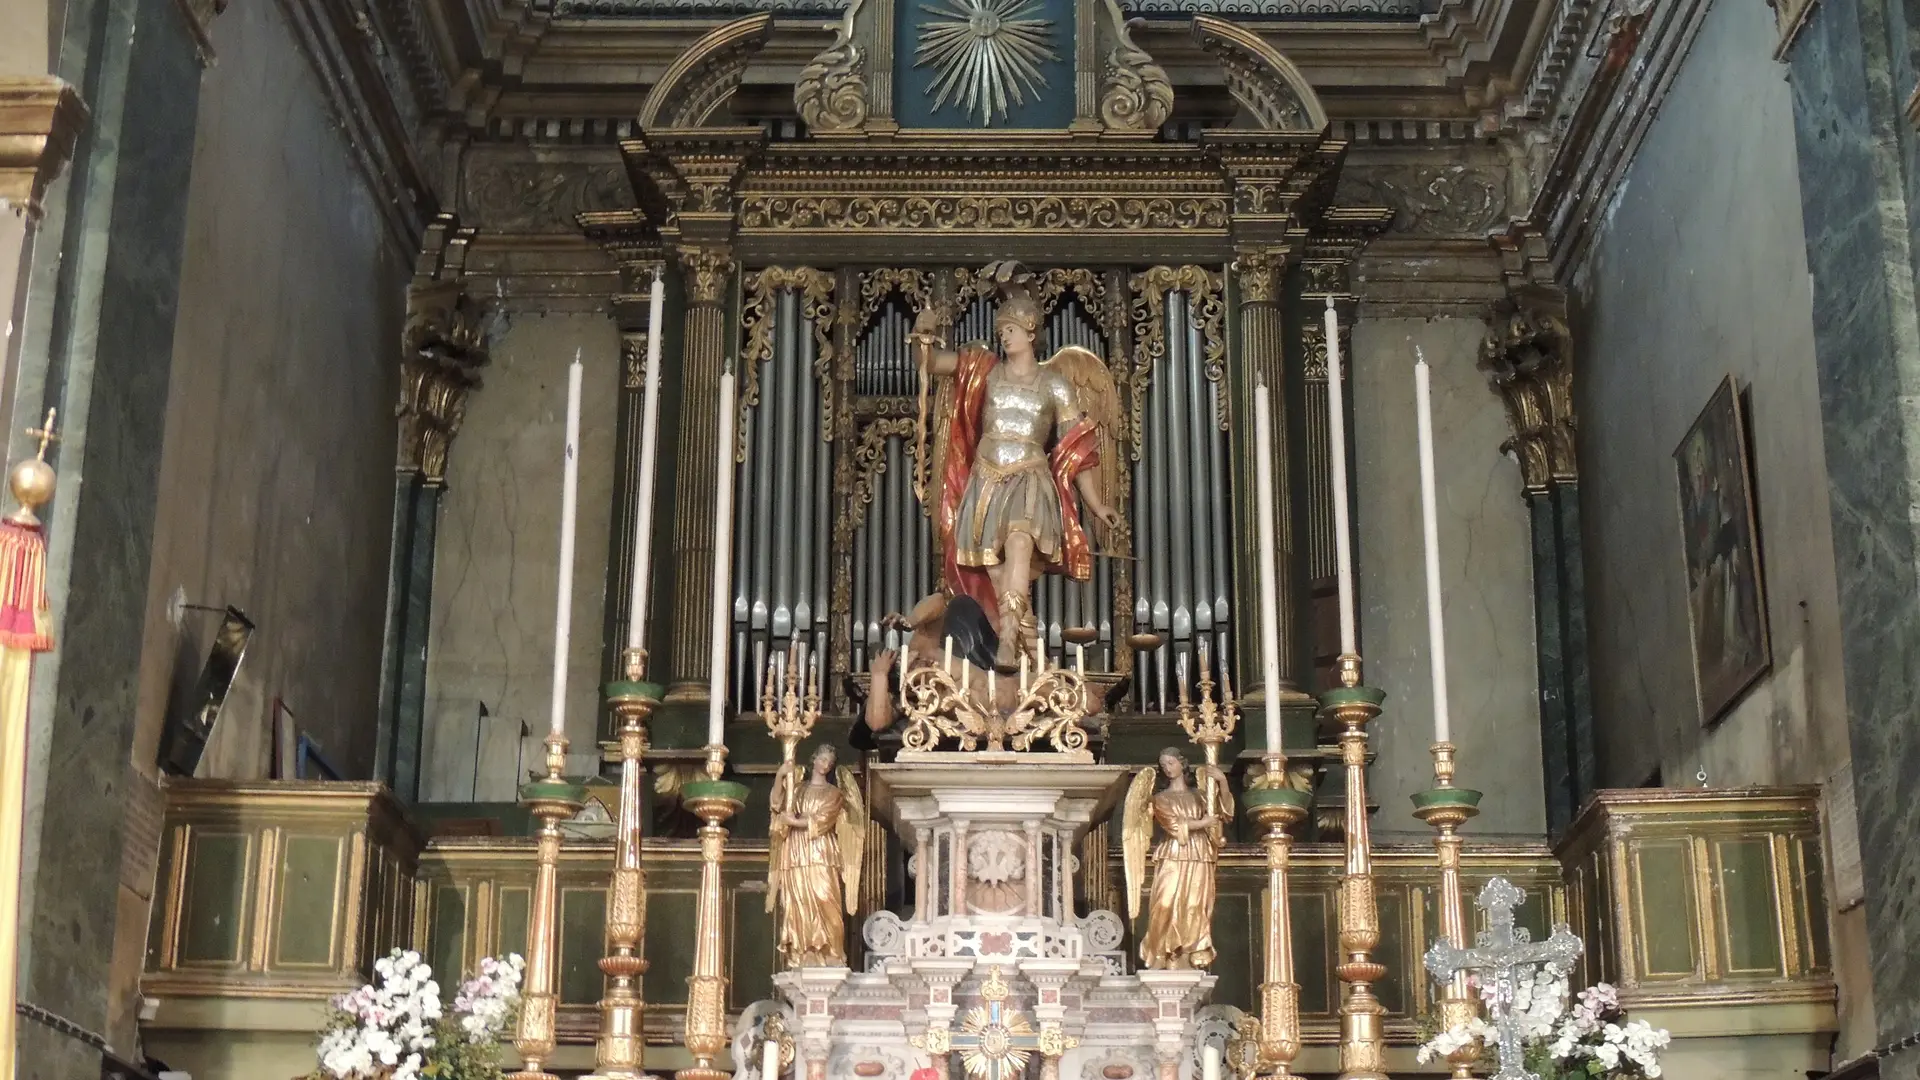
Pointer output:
1726, 598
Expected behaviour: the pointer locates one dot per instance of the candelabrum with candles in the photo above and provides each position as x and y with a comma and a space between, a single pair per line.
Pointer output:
1049, 706
1446, 808
620, 1049
553, 799
1211, 723
1362, 1042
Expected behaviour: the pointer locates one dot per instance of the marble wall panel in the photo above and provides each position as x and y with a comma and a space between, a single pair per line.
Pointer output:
1486, 570
1850, 71
278, 469
491, 637
1700, 271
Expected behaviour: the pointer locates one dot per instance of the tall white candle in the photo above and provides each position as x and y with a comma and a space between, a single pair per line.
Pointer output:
569, 499
1430, 526
649, 455
1269, 563
722, 567
1337, 447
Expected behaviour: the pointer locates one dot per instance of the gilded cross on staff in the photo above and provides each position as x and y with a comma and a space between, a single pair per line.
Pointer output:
1503, 952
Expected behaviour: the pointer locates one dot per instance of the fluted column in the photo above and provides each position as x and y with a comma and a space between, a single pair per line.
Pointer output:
1261, 276
708, 275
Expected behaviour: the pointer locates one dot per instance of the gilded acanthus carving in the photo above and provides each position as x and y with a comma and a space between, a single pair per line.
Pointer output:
1260, 274
1205, 291
706, 271
981, 212
1529, 354
1433, 200
1135, 94
761, 289
445, 346
831, 93
525, 195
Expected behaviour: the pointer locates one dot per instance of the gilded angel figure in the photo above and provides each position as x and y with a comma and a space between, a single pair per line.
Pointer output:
817, 833
1192, 824
1016, 447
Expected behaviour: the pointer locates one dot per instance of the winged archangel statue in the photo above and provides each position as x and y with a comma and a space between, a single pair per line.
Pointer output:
818, 832
1017, 445
1179, 932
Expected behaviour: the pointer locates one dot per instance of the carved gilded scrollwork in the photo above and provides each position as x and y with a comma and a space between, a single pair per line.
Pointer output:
831, 93
1208, 296
817, 307
981, 212
869, 464
1528, 352
1136, 94
877, 285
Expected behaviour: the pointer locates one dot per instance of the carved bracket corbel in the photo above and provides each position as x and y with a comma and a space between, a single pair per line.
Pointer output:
444, 344
40, 119
1528, 354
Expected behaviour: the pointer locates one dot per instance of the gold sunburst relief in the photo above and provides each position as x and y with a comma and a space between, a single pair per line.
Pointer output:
985, 54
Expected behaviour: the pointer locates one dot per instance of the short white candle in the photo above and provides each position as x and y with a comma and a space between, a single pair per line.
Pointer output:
1430, 525
1210, 1062
1269, 564
1337, 446
947, 661
569, 501
649, 456
770, 1059
722, 568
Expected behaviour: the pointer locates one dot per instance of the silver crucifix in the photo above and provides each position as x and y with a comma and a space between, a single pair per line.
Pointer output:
1501, 953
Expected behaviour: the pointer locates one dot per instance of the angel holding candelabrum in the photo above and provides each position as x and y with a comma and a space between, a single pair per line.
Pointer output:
1192, 824
818, 834
1015, 441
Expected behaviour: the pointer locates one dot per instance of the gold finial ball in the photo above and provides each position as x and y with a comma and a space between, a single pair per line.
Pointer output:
32, 482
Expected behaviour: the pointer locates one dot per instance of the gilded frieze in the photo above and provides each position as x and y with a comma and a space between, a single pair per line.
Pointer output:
981, 212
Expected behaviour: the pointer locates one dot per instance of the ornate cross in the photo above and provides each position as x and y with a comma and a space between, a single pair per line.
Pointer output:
1502, 952
995, 1042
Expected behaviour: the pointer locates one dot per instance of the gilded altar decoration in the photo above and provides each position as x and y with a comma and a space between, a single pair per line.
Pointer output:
984, 53
1049, 704
1136, 94
1014, 441
816, 835
1192, 823
831, 93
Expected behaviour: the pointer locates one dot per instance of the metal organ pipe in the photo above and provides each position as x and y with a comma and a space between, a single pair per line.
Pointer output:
785, 405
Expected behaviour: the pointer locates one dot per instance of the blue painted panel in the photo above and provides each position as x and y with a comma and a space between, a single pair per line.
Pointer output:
1050, 107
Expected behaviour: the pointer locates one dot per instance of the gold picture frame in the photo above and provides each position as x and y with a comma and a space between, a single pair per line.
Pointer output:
1720, 544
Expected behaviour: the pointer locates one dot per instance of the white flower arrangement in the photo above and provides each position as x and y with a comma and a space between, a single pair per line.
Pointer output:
1592, 1039
395, 1027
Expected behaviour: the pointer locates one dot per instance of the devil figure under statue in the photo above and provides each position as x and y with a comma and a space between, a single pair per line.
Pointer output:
1016, 444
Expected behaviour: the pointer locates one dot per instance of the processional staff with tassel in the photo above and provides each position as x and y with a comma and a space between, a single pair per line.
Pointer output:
25, 629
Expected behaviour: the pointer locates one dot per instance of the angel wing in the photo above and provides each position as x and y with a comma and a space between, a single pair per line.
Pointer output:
852, 832
1136, 836
777, 799
1099, 402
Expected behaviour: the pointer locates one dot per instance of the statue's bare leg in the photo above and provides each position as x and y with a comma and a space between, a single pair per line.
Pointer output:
1012, 583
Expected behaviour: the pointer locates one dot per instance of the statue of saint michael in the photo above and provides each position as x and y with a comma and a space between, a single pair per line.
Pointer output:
1017, 444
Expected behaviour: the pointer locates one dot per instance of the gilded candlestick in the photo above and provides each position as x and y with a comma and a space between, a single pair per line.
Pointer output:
620, 1051
1210, 723
1362, 1042
1446, 808
714, 802
1277, 808
553, 799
